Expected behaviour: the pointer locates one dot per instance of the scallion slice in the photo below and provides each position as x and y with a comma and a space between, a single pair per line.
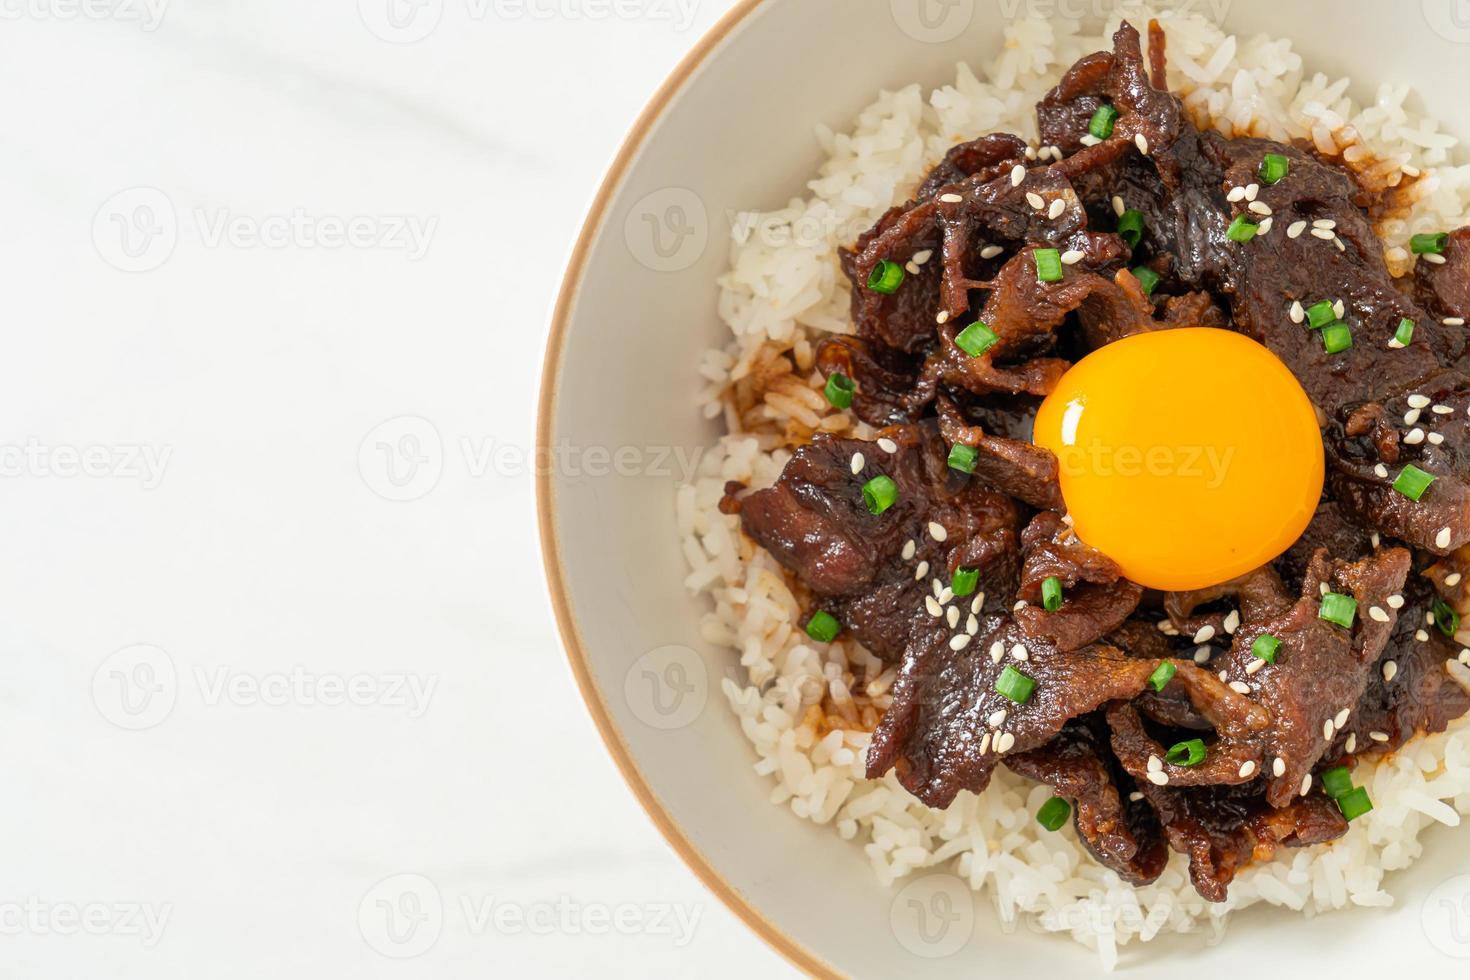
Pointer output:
1048, 265
1242, 230
1162, 675
886, 277
1014, 685
976, 339
1337, 337
1339, 609
1054, 813
1147, 278
880, 493
963, 458
1274, 168
1404, 335
1103, 121
965, 581
1130, 228
1051, 594
1337, 782
1445, 618
823, 627
1432, 244
1186, 754
1265, 648
1321, 314
839, 391
1413, 482
1354, 804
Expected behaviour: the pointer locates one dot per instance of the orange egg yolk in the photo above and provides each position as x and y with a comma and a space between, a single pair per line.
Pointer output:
1187, 456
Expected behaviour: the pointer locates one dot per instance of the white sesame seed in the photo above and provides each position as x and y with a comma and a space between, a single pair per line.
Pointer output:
1297, 313
1340, 246
1324, 588
1411, 416
1119, 207
1223, 675
1232, 621
909, 548
1295, 231
1443, 538
912, 269
985, 744
1390, 671
990, 251
1452, 579
1264, 228
1306, 784
1005, 743
946, 595
1056, 151
960, 642
888, 445
951, 199
1020, 605
1261, 207
1351, 745
1251, 190
943, 317
1240, 687
1341, 718
952, 616
933, 606
1443, 410
1454, 321
1465, 657
972, 625
858, 462
1377, 614
1202, 655
1031, 153
1279, 767
1089, 140
1327, 729
1135, 797
1340, 308
1326, 236
921, 257
1418, 401
1435, 259
1141, 141
1035, 200
1018, 175
1247, 769
1421, 636
921, 571
1414, 437
1374, 536
1058, 207
997, 652
1255, 666
1327, 223
1435, 439
937, 531
1155, 764
1072, 257
997, 719
1159, 778
1378, 736
1429, 619
1205, 635
1236, 195
1381, 472
1019, 652
1395, 602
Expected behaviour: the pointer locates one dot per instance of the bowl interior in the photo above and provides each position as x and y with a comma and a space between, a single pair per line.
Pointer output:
619, 410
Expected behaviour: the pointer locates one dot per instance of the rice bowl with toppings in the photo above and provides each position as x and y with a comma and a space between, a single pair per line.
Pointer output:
809, 706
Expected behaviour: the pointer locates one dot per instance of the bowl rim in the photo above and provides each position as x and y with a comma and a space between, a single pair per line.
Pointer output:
797, 954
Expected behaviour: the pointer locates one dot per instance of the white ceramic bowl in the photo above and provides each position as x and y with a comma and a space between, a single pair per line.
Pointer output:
732, 130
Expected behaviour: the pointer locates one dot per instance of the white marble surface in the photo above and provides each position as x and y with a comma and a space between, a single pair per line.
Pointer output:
239, 687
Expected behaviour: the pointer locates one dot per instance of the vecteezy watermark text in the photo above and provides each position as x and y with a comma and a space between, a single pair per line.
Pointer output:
33, 916
147, 14
410, 21
1207, 464
123, 461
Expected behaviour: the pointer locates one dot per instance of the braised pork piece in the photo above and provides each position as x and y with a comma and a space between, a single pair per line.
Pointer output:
939, 545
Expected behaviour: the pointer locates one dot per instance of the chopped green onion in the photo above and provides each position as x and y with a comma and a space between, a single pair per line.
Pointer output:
1048, 265
1339, 609
823, 627
1014, 685
1054, 813
1051, 594
1190, 753
1103, 121
1321, 314
1354, 804
1434, 244
1337, 337
963, 458
1337, 782
965, 581
1242, 230
1147, 278
1413, 482
976, 339
1404, 335
1130, 228
880, 493
1162, 675
1274, 168
886, 277
839, 391
1446, 618
1265, 648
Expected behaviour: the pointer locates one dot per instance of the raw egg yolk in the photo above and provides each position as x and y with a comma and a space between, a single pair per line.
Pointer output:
1187, 456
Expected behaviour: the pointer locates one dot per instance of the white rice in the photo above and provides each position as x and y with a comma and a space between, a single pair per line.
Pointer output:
807, 712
